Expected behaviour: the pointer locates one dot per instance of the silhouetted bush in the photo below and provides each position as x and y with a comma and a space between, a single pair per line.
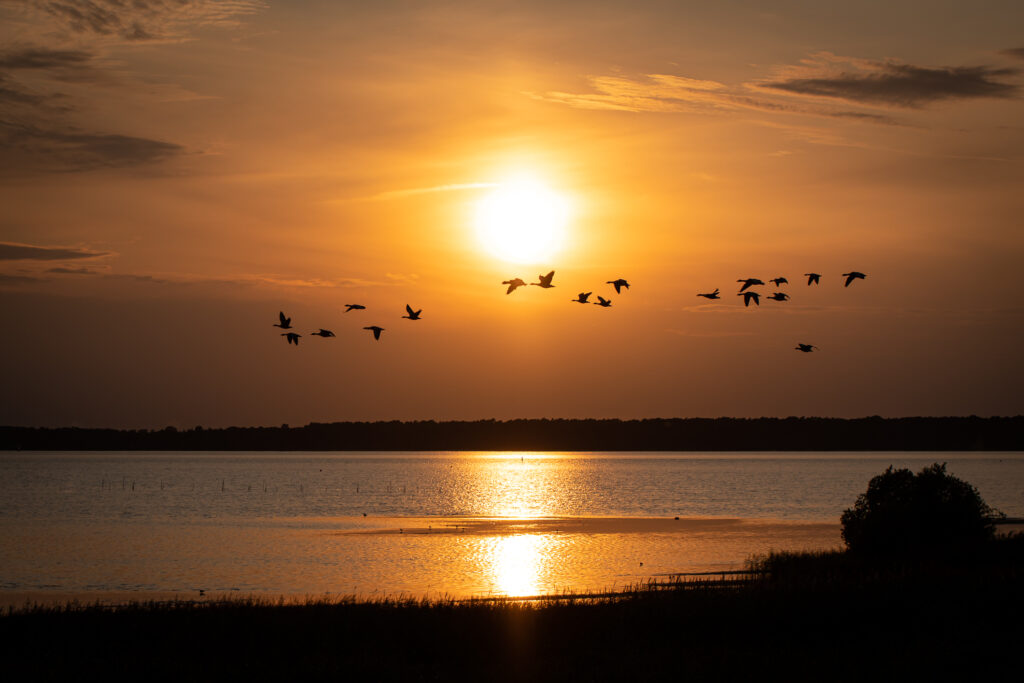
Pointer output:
906, 514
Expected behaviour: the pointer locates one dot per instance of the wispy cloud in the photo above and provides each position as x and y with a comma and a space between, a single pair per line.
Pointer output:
665, 93
802, 89
11, 251
43, 58
137, 20
70, 150
1015, 52
412, 192
891, 83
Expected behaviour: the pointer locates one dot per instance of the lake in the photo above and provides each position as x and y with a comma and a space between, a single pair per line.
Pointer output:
111, 526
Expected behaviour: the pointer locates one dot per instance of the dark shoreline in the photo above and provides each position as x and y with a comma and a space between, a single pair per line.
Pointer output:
679, 434
817, 616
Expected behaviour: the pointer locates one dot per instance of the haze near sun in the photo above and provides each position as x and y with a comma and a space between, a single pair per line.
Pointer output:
522, 221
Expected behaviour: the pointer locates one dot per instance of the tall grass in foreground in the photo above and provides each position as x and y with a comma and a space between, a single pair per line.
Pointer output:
810, 616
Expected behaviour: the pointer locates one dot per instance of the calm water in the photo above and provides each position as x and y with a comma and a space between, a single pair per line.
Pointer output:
282, 523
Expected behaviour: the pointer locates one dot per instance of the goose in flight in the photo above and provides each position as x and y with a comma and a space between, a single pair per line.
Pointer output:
601, 301
779, 281
710, 295
806, 348
285, 324
813, 278
354, 307
413, 315
750, 296
322, 333
291, 337
618, 284
749, 282
512, 284
582, 298
779, 296
853, 275
545, 280
376, 330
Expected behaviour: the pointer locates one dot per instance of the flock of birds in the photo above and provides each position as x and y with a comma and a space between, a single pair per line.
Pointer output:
285, 323
748, 294
544, 282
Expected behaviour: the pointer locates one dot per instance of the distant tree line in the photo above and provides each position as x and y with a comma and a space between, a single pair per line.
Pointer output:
690, 434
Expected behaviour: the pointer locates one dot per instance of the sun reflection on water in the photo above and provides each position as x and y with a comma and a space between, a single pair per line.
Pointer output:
516, 563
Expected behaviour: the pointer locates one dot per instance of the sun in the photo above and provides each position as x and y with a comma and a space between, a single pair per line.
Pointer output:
522, 221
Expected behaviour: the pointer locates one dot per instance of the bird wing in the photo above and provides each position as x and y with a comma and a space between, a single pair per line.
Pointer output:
849, 279
408, 308
618, 287
284, 320
746, 283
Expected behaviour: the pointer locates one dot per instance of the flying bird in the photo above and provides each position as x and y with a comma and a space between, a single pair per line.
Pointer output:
779, 281
292, 338
779, 296
354, 307
806, 348
619, 284
750, 296
512, 284
582, 298
710, 295
601, 301
413, 315
376, 330
851, 276
322, 333
545, 280
285, 324
813, 278
749, 282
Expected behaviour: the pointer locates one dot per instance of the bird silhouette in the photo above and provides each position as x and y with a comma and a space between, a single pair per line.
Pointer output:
710, 295
601, 301
582, 298
749, 282
779, 296
813, 278
285, 324
512, 284
806, 348
376, 330
750, 296
413, 315
851, 276
322, 333
354, 307
779, 281
292, 338
545, 280
619, 284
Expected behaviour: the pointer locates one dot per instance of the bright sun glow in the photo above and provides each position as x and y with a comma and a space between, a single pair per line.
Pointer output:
522, 221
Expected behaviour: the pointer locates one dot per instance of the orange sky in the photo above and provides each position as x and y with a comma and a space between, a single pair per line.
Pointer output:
174, 173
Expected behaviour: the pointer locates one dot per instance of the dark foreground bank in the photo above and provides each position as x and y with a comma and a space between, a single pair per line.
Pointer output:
801, 617
692, 434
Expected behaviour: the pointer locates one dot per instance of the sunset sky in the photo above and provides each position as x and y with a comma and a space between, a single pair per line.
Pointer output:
175, 172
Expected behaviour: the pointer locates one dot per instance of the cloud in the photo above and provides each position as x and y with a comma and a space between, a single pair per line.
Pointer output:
10, 251
6, 279
43, 58
137, 20
891, 83
1016, 52
666, 93
398, 194
64, 270
70, 150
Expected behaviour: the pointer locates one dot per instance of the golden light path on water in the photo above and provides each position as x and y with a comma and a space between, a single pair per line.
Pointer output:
474, 524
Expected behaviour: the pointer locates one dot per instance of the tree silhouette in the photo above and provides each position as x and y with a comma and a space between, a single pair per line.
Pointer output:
905, 514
